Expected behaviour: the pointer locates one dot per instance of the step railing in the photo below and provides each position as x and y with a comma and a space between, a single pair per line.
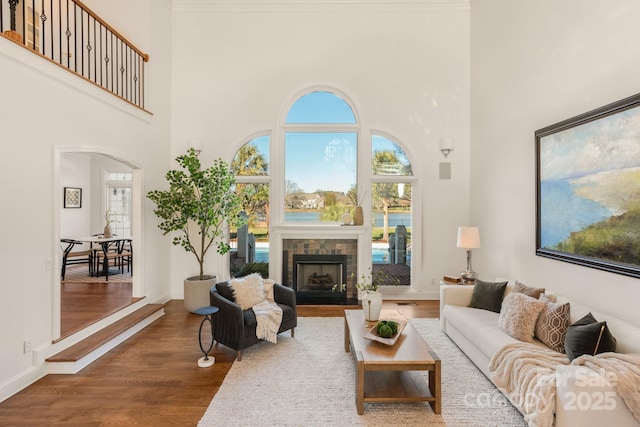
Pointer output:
69, 34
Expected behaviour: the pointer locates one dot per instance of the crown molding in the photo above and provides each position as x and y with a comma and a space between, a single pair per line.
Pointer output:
255, 6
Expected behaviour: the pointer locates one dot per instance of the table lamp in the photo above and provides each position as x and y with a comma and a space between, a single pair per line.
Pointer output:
468, 238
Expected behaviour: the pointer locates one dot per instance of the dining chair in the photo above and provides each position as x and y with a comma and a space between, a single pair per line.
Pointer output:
69, 257
119, 254
126, 252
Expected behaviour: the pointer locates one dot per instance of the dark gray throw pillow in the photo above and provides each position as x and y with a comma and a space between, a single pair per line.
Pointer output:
588, 336
488, 295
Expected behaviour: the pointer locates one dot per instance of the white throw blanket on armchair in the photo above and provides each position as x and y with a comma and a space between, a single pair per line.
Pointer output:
268, 320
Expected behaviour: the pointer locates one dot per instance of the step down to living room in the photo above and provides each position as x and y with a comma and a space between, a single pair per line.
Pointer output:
78, 356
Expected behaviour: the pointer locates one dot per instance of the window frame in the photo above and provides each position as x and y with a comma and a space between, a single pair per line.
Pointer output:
279, 229
109, 185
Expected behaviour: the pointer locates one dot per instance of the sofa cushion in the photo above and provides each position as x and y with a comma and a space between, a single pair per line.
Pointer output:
528, 290
519, 314
588, 336
488, 295
480, 327
552, 324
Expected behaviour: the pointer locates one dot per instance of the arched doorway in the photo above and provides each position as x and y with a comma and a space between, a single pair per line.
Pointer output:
87, 168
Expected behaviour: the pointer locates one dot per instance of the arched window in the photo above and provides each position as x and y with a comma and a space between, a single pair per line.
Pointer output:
391, 211
316, 180
320, 107
320, 158
250, 243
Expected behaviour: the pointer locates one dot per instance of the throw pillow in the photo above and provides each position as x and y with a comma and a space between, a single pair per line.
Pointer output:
248, 290
528, 290
488, 295
268, 289
552, 324
519, 314
588, 336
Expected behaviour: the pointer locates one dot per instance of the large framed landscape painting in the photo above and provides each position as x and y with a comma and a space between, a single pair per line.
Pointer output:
588, 189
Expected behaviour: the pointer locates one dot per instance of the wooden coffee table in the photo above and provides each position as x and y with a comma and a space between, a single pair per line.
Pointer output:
391, 373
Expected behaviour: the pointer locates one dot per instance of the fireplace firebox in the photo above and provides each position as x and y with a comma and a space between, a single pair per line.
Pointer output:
314, 277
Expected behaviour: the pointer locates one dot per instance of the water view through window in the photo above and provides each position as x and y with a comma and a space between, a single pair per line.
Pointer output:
321, 139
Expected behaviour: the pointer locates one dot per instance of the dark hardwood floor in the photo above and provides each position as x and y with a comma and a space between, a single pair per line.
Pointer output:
152, 379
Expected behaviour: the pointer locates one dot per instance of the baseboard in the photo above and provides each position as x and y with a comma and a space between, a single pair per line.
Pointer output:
21, 381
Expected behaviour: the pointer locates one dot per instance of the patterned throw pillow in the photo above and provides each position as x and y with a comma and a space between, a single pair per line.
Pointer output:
518, 316
552, 324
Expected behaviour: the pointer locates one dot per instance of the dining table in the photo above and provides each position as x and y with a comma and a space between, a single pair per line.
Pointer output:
105, 244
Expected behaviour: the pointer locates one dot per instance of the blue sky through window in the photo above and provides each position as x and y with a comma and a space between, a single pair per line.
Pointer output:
320, 107
321, 161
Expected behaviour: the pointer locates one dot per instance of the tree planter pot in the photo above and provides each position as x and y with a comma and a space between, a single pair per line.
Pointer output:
196, 292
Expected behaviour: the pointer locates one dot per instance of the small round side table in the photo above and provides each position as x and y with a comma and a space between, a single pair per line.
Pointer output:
208, 313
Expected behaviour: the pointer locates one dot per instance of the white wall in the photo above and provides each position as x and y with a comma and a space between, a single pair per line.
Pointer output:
75, 171
535, 64
45, 109
405, 67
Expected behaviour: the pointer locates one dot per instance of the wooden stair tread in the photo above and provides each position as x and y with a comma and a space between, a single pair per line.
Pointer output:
87, 345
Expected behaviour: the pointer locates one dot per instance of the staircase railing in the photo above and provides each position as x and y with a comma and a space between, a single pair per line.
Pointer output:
69, 34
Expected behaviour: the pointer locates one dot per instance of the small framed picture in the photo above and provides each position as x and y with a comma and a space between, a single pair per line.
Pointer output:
72, 197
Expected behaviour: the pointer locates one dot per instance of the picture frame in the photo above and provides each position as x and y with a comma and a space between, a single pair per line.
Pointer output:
587, 192
72, 197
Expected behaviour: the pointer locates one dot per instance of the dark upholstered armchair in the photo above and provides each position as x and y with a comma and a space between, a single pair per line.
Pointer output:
236, 328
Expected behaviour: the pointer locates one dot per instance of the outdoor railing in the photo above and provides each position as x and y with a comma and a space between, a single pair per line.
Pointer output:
69, 34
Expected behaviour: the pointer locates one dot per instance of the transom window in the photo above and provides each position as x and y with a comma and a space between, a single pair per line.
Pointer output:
320, 107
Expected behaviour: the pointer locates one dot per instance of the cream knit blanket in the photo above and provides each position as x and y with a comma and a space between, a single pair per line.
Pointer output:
268, 320
526, 374
623, 370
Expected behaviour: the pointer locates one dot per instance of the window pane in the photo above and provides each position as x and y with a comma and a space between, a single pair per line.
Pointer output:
119, 176
320, 168
388, 158
250, 243
391, 235
120, 210
253, 158
320, 107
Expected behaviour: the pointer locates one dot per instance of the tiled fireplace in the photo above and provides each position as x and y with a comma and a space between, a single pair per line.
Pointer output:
313, 266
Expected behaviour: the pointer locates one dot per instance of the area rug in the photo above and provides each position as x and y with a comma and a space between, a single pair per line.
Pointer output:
309, 380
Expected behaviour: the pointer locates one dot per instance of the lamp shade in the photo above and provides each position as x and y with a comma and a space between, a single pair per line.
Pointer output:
468, 237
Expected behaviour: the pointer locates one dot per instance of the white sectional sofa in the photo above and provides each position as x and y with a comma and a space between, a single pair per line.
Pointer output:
582, 398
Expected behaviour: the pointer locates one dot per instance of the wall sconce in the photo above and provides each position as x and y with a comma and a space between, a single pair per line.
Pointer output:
196, 144
446, 146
